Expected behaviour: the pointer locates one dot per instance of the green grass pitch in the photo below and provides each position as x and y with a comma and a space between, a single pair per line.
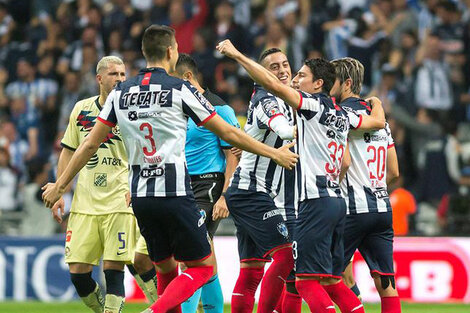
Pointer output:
78, 307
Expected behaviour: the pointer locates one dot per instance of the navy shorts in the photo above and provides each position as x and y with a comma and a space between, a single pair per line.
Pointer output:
260, 225
372, 234
318, 238
172, 226
291, 224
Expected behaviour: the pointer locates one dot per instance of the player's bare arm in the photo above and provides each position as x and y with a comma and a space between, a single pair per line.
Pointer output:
53, 191
392, 165
220, 207
282, 156
376, 119
64, 159
261, 75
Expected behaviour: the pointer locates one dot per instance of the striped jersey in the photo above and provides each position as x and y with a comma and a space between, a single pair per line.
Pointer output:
256, 173
152, 111
365, 186
323, 129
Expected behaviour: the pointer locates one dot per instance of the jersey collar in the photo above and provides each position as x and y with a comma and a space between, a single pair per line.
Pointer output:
153, 69
97, 102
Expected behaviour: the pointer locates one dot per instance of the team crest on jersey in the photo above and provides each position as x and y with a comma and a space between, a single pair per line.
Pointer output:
269, 107
203, 100
367, 137
87, 121
282, 229
101, 180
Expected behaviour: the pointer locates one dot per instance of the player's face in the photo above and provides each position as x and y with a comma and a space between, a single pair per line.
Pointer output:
174, 56
303, 80
336, 91
114, 74
278, 64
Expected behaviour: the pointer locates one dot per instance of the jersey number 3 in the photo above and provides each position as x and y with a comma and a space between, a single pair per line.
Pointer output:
149, 136
336, 154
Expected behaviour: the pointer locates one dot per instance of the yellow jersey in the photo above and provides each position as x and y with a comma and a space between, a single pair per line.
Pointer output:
103, 183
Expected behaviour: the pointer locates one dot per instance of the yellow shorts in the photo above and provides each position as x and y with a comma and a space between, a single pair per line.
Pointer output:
90, 237
141, 246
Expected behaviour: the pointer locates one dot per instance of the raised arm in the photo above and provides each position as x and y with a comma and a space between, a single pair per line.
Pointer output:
261, 75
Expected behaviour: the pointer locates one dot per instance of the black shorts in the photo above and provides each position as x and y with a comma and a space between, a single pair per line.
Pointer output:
172, 226
260, 226
291, 225
207, 189
318, 238
372, 234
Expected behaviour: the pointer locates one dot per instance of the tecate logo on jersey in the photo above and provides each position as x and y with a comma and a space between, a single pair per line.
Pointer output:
144, 99
152, 172
338, 122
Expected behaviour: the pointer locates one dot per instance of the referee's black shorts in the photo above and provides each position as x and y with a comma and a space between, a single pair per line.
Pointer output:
207, 189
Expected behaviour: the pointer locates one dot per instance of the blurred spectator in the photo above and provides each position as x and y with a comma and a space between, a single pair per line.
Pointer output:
36, 220
403, 205
432, 88
6, 25
26, 124
69, 95
8, 183
184, 26
203, 54
17, 147
226, 28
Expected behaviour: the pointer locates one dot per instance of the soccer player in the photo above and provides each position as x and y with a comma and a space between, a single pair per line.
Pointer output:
261, 231
374, 164
322, 133
152, 109
100, 223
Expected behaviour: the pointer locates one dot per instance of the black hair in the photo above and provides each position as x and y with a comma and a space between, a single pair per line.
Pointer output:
322, 69
185, 61
156, 40
36, 166
268, 52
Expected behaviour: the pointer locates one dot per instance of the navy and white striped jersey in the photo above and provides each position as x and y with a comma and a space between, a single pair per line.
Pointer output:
288, 197
365, 183
254, 172
152, 111
323, 129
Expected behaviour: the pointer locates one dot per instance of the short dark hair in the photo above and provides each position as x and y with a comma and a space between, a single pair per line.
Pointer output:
185, 61
322, 69
447, 5
268, 52
156, 40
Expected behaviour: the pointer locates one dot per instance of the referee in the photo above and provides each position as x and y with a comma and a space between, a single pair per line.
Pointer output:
211, 165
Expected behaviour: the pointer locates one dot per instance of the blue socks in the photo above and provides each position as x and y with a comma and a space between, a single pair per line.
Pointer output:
212, 298
190, 305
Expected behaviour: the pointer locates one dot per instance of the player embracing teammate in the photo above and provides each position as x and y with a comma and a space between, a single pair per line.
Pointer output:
374, 164
323, 129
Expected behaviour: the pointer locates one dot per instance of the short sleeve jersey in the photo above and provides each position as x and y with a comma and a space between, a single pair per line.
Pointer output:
152, 110
102, 184
204, 150
323, 129
365, 183
254, 172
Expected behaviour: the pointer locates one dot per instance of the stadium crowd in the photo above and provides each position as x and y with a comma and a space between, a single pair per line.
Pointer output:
414, 52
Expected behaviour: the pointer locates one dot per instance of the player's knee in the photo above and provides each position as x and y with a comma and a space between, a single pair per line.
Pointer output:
114, 282
142, 263
348, 279
84, 284
285, 257
251, 264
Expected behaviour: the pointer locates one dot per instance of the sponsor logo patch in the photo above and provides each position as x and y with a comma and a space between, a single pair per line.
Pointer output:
68, 236
152, 172
93, 162
101, 179
272, 213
